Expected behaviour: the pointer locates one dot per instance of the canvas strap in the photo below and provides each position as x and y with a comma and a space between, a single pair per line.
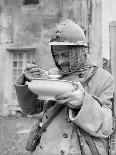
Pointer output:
88, 79
57, 110
89, 141
87, 136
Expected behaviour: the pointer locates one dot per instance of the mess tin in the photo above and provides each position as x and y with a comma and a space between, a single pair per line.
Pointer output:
47, 89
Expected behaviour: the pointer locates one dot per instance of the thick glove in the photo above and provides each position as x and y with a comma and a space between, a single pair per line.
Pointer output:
73, 100
32, 71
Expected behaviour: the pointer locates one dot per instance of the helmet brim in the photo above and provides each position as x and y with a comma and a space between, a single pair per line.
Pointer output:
79, 43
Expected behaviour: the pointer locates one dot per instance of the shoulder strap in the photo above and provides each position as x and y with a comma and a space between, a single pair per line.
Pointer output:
88, 80
88, 138
58, 109
89, 141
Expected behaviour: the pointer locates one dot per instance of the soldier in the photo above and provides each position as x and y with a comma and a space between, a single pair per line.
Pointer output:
83, 126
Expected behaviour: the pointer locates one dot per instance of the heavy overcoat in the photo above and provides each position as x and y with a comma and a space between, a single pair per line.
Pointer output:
94, 117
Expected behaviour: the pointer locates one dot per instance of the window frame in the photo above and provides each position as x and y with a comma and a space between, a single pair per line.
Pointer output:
30, 2
24, 61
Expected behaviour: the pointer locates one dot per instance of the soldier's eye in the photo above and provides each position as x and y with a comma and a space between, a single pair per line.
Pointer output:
65, 54
56, 56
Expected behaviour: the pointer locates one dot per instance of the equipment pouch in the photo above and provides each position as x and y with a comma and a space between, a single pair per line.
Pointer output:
33, 139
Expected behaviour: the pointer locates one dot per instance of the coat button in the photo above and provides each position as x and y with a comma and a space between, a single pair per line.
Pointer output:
81, 75
62, 152
65, 135
68, 120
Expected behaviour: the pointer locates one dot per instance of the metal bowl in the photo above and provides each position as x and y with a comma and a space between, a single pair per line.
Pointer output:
47, 89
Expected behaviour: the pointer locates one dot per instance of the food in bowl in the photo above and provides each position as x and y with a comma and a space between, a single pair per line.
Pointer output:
47, 89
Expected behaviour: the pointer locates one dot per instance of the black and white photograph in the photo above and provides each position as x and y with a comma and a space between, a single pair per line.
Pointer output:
57, 77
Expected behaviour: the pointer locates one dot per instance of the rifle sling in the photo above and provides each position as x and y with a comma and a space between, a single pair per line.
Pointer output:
89, 141
58, 109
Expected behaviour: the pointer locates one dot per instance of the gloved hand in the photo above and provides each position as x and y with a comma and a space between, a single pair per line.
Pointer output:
32, 71
73, 100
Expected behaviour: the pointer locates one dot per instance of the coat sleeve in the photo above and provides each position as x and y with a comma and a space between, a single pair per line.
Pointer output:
26, 99
95, 115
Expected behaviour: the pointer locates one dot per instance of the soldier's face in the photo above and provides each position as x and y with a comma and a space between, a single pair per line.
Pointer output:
61, 55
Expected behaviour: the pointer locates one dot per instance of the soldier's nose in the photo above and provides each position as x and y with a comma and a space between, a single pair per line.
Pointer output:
61, 60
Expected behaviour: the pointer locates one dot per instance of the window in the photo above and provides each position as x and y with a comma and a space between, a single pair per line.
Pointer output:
30, 2
19, 60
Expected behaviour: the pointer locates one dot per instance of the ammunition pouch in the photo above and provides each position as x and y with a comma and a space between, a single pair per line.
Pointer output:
34, 138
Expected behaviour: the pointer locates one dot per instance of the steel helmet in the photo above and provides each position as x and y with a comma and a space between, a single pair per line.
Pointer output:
68, 33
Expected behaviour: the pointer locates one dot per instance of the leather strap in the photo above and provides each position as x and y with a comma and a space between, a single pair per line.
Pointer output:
88, 138
90, 142
88, 80
58, 109
79, 140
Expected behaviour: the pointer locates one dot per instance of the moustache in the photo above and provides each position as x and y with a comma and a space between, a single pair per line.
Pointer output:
64, 64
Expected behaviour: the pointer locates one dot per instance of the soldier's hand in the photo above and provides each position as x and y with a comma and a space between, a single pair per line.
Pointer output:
73, 99
32, 71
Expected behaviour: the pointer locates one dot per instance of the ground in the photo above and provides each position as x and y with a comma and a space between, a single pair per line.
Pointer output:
13, 134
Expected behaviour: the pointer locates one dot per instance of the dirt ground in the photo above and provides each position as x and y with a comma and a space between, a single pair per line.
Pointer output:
13, 134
